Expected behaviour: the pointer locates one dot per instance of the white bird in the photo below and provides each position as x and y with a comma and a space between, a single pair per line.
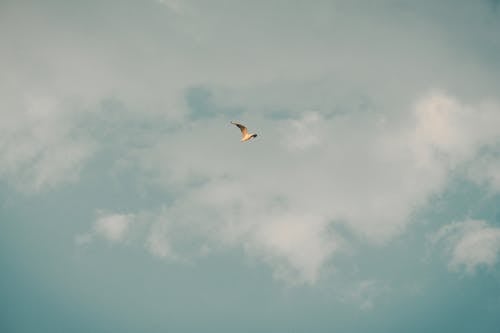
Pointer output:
245, 136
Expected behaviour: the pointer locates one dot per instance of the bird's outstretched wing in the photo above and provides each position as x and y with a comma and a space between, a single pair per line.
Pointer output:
242, 128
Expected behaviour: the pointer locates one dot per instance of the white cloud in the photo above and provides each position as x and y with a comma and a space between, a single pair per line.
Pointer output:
486, 171
367, 169
158, 243
40, 145
296, 246
455, 130
369, 174
365, 293
113, 227
303, 133
310, 68
109, 226
469, 244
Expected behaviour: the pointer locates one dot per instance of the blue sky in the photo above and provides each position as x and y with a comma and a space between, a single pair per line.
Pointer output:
368, 202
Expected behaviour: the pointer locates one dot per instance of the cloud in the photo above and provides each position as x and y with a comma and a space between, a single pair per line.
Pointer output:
469, 244
455, 130
113, 227
297, 247
305, 132
74, 66
485, 171
158, 243
41, 145
365, 293
280, 200
370, 154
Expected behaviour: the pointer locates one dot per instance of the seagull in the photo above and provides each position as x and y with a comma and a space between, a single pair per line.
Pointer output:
245, 136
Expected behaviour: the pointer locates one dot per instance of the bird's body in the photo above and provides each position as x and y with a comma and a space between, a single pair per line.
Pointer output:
245, 136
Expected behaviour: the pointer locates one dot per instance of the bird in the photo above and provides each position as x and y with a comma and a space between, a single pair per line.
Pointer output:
245, 136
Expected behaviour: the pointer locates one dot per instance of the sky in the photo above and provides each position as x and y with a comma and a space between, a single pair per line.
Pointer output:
369, 202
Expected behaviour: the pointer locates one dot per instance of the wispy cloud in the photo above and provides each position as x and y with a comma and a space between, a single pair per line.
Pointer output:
485, 171
303, 133
453, 129
112, 227
367, 168
41, 145
158, 242
370, 174
470, 244
365, 293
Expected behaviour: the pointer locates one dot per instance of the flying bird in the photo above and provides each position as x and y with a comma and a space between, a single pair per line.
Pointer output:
245, 136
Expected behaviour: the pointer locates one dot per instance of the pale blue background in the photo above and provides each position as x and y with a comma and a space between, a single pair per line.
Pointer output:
48, 283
